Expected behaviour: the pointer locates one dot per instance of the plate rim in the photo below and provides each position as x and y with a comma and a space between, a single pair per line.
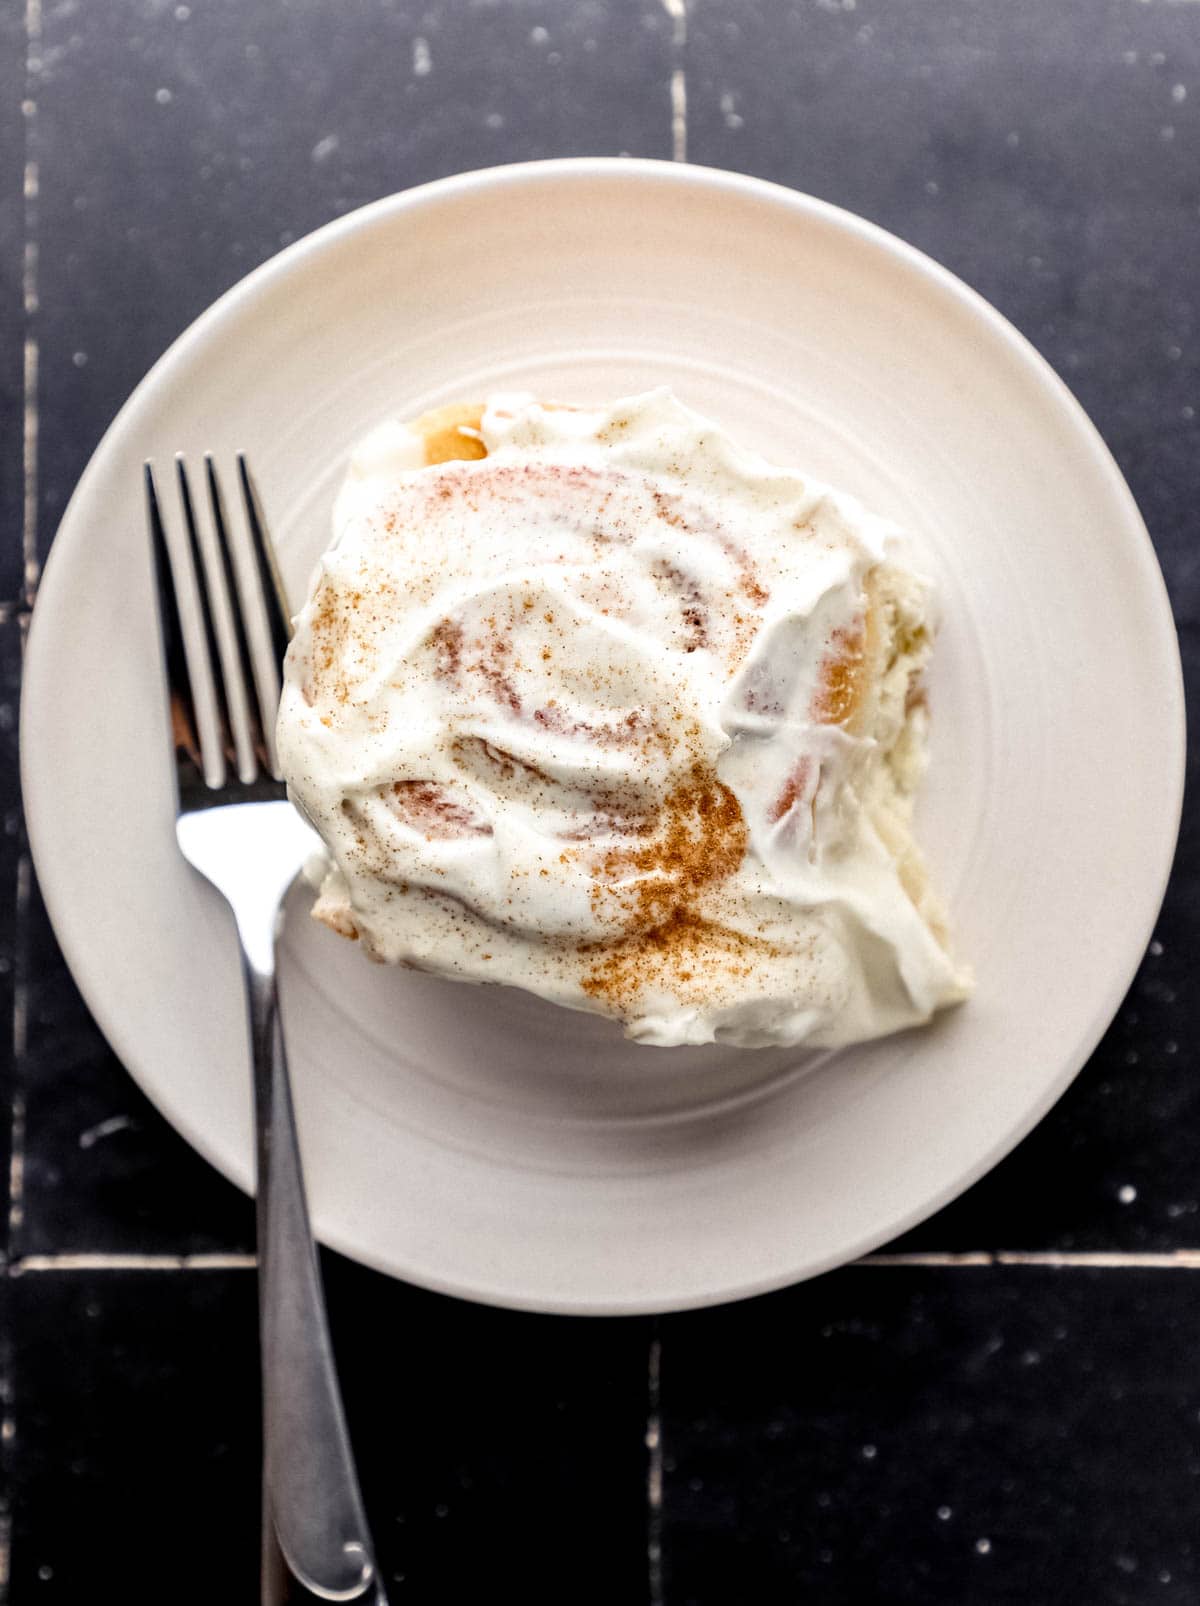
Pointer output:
641, 171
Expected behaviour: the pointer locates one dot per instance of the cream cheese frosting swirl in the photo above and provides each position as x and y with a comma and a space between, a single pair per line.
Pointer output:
608, 708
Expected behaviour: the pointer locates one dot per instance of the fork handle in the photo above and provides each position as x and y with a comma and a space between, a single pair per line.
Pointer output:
311, 1489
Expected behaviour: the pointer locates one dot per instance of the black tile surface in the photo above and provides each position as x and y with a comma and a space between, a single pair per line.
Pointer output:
807, 1443
226, 130
492, 1446
102, 1169
999, 1434
523, 1443
136, 1437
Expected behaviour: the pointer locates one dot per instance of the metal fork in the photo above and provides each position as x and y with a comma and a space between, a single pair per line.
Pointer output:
236, 827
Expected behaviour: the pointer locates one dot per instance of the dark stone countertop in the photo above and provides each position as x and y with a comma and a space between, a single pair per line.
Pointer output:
1004, 1407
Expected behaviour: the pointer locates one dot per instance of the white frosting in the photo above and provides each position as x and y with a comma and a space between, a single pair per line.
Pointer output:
563, 718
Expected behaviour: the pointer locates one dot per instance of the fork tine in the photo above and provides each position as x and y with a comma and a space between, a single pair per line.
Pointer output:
219, 636
279, 615
239, 672
272, 611
181, 704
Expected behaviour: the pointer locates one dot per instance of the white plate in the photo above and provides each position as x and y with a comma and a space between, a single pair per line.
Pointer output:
474, 1140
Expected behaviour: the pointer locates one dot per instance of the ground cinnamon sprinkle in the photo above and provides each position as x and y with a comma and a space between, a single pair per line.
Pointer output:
330, 637
700, 841
685, 954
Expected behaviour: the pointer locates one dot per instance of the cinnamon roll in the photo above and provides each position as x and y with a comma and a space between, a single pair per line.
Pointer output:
592, 701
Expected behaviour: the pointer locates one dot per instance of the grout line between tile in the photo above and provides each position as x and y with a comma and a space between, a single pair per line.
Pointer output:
1066, 1260
654, 1471
973, 1257
19, 1044
24, 880
29, 290
677, 11
32, 1264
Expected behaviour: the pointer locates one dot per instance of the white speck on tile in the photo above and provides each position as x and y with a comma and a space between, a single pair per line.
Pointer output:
824, 1499
539, 35
493, 120
1166, 132
1164, 1577
679, 115
1170, 1046
1126, 1564
1127, 1193
422, 58
729, 111
655, 1465
1157, 58
324, 148
944, 1513
554, 57
103, 1129
1174, 353
869, 1452
1129, 57
286, 237
1189, 413
826, 1556
865, 34
1179, 93
79, 358
45, 1572
163, 96
441, 1510
1031, 1357
983, 1546
29, 108
932, 187
1012, 139
182, 13
1156, 948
